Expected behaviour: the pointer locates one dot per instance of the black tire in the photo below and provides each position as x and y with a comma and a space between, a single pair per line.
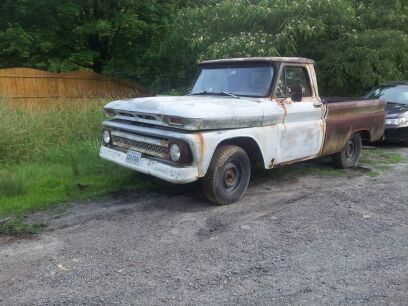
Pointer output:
228, 176
350, 154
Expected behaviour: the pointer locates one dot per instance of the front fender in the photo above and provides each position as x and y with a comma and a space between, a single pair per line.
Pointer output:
205, 143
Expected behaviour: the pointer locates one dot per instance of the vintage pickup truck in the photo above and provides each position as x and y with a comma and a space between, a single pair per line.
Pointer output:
240, 113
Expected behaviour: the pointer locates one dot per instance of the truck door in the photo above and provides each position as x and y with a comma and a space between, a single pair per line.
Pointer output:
301, 133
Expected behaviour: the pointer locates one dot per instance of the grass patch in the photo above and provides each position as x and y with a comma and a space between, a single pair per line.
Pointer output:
10, 184
374, 162
49, 156
76, 174
18, 226
380, 160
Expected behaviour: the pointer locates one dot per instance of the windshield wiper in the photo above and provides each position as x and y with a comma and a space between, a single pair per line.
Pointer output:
204, 92
229, 94
221, 93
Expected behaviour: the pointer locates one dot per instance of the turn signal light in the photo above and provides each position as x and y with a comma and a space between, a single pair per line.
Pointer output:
176, 120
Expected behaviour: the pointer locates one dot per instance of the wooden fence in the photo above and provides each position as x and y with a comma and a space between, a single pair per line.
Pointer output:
25, 84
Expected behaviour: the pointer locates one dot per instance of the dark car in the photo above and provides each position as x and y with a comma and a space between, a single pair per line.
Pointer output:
396, 95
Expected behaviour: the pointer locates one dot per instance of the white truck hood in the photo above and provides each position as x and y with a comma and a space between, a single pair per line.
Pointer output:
193, 112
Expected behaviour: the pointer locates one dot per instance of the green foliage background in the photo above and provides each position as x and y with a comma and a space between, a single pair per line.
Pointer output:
356, 43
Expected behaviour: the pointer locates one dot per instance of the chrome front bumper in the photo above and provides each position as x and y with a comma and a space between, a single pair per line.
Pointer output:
166, 172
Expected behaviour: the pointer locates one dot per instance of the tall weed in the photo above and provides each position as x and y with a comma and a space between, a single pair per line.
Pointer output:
27, 134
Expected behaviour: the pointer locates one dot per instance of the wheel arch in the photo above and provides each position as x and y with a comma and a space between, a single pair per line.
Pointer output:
250, 141
249, 145
365, 135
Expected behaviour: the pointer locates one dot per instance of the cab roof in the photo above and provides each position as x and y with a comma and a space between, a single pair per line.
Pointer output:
297, 60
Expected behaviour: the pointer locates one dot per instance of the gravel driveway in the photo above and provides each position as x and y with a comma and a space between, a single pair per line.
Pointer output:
304, 240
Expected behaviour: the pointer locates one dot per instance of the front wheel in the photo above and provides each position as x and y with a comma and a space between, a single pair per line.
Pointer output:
350, 155
228, 176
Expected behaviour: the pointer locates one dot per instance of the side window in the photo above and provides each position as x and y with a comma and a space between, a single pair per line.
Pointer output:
292, 77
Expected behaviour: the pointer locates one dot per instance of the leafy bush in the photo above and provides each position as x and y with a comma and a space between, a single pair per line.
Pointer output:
356, 44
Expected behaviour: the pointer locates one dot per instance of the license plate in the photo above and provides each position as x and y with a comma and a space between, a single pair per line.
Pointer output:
133, 157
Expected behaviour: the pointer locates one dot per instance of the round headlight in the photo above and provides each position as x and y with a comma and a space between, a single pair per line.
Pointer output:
106, 137
175, 152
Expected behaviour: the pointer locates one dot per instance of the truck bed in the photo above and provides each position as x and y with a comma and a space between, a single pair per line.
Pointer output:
346, 116
327, 100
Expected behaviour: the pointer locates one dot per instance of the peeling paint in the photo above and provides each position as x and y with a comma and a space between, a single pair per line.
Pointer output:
196, 112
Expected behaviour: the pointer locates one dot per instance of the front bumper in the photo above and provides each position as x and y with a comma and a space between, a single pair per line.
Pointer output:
166, 172
396, 134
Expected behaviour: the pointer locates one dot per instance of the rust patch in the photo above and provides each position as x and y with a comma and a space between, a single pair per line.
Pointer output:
281, 103
285, 113
323, 127
352, 108
201, 146
346, 118
296, 160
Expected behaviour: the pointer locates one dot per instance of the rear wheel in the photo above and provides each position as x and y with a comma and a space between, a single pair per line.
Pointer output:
228, 176
350, 155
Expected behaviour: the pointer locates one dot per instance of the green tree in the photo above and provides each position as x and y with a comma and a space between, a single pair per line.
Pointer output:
111, 36
356, 44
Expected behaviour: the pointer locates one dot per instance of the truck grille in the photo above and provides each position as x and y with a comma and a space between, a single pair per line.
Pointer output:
143, 147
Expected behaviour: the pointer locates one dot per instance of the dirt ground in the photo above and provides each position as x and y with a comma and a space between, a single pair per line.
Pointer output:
308, 239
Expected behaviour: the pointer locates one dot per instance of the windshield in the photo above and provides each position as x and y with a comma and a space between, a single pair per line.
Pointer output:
240, 81
390, 93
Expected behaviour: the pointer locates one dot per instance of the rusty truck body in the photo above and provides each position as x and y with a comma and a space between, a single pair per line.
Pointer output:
239, 113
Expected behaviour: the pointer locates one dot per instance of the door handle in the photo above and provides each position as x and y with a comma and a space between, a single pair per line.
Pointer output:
317, 104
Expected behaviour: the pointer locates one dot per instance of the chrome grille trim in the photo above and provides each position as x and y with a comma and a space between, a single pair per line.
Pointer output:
140, 138
141, 143
143, 147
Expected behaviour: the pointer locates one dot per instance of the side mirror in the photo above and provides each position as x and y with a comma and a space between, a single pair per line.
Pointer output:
297, 92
